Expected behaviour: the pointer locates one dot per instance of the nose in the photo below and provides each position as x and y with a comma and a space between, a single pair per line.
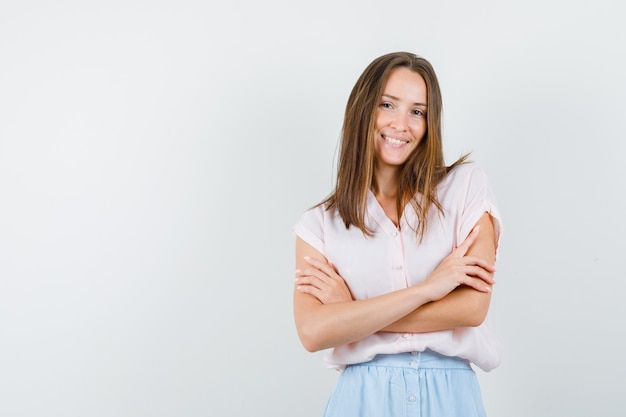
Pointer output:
400, 121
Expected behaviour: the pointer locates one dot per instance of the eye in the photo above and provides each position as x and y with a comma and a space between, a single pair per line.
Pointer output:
418, 112
386, 105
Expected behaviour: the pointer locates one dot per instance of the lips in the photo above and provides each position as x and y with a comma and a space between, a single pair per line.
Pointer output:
395, 141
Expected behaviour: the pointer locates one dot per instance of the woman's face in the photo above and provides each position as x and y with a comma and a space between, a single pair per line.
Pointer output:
400, 117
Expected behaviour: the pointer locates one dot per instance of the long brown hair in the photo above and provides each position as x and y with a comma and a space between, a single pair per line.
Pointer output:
419, 175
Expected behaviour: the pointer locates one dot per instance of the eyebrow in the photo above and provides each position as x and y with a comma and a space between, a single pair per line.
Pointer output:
397, 99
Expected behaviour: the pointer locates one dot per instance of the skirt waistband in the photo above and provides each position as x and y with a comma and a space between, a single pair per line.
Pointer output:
427, 359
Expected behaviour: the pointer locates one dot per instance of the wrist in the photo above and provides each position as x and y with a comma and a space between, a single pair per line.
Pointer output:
423, 293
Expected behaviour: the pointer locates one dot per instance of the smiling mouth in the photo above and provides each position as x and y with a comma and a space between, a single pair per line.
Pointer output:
394, 141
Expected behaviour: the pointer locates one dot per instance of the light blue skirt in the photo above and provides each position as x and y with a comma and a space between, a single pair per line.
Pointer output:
415, 384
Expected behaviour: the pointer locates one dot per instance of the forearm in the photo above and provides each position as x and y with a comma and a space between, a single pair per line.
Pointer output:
463, 307
323, 323
321, 326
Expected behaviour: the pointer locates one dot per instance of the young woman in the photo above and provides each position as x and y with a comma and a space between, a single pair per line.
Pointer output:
395, 268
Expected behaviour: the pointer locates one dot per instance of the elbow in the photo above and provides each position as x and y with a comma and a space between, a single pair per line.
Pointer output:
478, 313
310, 346
479, 316
476, 318
311, 339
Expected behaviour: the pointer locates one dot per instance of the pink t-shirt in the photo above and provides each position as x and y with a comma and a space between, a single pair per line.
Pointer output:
393, 259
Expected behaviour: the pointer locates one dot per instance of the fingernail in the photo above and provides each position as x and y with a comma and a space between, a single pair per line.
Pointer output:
307, 258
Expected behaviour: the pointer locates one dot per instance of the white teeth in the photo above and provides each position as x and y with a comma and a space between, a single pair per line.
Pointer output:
394, 141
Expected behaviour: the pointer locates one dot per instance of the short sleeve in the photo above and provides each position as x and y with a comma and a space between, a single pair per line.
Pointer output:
310, 228
478, 199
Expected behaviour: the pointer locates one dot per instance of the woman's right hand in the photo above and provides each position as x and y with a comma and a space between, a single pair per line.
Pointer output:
322, 281
458, 269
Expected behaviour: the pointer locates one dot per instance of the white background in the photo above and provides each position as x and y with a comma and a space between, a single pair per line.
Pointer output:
155, 154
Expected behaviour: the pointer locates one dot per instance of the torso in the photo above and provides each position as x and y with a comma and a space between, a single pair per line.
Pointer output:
389, 207
394, 258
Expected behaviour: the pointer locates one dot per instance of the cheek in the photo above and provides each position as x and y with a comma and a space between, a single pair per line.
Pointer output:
381, 120
419, 128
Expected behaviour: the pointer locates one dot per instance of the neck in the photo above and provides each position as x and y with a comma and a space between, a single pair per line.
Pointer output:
386, 185
386, 192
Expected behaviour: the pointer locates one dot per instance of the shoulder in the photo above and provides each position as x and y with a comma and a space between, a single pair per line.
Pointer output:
316, 218
466, 185
319, 212
314, 225
464, 175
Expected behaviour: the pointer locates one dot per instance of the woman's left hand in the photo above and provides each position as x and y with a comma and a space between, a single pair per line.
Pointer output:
322, 281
